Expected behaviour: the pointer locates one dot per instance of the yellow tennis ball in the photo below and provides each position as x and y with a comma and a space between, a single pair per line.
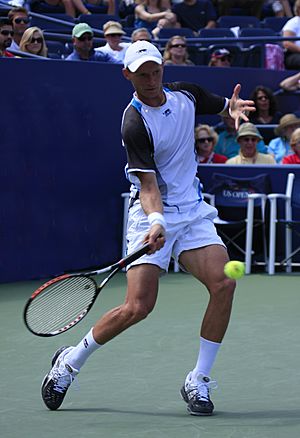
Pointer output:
234, 269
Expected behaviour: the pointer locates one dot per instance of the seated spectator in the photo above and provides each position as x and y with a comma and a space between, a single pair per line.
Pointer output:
291, 83
33, 42
6, 37
280, 146
292, 28
20, 21
111, 7
126, 10
227, 143
72, 7
248, 136
82, 38
252, 7
154, 15
195, 14
113, 33
220, 58
266, 107
295, 145
141, 34
205, 141
176, 52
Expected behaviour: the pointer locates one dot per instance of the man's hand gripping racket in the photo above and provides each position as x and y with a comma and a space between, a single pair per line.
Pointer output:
61, 303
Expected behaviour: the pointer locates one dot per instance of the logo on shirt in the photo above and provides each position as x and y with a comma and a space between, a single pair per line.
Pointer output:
167, 112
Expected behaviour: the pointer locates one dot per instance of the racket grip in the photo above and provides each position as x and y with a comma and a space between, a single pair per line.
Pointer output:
134, 255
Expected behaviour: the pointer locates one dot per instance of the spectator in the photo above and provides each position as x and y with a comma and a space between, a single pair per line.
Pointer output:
248, 137
220, 58
252, 7
20, 21
6, 36
227, 144
82, 38
280, 146
72, 7
141, 34
295, 145
33, 42
292, 28
113, 33
291, 83
266, 107
111, 7
195, 14
153, 15
176, 52
126, 10
205, 141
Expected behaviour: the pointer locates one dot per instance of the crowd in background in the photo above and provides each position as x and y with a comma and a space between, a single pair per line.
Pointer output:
280, 143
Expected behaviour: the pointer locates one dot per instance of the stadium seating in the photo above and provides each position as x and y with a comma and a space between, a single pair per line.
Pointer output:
216, 33
275, 23
238, 21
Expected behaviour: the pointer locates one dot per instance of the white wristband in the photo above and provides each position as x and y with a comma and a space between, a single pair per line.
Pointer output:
157, 218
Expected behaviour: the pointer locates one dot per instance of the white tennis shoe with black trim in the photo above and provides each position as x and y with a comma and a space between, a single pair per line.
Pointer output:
56, 383
196, 393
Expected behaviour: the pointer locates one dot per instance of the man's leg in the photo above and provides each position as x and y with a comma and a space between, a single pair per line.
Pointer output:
142, 289
207, 265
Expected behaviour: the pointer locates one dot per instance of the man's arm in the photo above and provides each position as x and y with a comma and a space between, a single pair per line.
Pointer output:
291, 83
152, 205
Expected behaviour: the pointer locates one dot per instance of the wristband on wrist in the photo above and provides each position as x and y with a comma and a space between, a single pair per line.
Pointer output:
157, 218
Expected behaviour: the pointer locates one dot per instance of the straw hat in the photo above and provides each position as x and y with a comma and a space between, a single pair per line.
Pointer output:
248, 129
285, 121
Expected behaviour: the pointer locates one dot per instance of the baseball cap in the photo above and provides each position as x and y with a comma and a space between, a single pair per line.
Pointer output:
220, 53
248, 129
140, 52
80, 29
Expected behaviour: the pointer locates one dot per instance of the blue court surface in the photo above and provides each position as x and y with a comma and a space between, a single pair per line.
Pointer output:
130, 387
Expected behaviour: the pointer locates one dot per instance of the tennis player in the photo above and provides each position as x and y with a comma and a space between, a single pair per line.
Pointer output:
166, 209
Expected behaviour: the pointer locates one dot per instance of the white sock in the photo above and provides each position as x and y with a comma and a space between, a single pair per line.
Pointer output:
77, 357
206, 358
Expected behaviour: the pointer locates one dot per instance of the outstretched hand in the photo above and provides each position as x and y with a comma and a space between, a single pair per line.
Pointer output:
239, 108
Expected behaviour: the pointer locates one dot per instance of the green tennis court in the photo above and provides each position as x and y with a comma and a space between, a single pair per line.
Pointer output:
130, 387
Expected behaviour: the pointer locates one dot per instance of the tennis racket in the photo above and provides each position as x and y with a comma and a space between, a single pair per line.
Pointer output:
61, 303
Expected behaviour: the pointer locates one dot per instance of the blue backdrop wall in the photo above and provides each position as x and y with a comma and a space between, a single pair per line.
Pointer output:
62, 161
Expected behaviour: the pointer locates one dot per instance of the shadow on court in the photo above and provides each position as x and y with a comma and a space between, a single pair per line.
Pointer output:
130, 387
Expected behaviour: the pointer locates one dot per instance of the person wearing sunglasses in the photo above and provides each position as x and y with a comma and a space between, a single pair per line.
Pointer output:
113, 33
220, 58
176, 52
205, 140
33, 42
248, 137
20, 21
6, 36
82, 38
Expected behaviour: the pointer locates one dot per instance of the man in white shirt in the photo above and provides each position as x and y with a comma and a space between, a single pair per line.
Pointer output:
113, 33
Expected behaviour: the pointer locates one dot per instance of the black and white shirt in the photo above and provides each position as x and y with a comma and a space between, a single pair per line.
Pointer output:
161, 140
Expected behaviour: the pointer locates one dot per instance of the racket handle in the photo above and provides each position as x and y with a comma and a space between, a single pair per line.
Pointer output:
134, 255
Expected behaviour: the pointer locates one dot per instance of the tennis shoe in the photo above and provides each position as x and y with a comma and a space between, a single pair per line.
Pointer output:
196, 393
56, 383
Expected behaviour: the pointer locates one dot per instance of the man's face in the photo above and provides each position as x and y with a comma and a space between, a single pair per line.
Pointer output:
21, 22
248, 145
147, 82
6, 35
84, 43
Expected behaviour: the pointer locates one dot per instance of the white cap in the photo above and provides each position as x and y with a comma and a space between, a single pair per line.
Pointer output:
140, 52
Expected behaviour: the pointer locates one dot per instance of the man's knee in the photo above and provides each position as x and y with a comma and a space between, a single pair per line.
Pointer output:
138, 312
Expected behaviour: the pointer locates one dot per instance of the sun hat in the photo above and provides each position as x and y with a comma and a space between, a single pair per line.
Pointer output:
140, 52
113, 27
80, 29
248, 129
285, 121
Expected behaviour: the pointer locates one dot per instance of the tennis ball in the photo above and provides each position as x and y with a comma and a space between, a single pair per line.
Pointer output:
234, 269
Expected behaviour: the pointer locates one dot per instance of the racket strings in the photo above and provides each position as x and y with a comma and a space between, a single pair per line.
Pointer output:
60, 303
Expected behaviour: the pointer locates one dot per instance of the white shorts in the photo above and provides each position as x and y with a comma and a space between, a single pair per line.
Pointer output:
188, 230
